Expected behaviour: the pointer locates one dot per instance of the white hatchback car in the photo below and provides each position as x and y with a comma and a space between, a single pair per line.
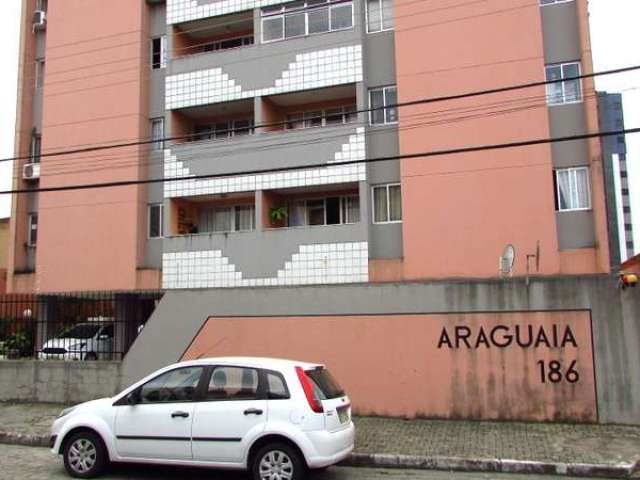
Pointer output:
276, 418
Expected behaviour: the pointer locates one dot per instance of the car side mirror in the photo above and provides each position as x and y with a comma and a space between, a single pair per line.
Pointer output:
133, 398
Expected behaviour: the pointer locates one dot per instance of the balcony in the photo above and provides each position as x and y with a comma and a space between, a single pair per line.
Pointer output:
260, 70
296, 256
213, 35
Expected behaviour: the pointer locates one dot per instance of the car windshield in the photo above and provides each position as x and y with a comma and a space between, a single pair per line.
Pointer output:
81, 331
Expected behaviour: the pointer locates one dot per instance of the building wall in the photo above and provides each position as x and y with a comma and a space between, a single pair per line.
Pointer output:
101, 231
460, 211
614, 148
4, 251
382, 340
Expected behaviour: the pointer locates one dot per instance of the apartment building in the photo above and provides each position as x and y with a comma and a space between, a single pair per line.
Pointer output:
617, 179
230, 88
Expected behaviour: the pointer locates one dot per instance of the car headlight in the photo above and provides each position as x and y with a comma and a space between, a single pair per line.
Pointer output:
77, 346
66, 411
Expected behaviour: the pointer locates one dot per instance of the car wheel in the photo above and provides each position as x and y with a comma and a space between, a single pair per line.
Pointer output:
278, 461
91, 356
85, 456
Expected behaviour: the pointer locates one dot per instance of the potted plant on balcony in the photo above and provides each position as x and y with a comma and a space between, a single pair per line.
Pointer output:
278, 216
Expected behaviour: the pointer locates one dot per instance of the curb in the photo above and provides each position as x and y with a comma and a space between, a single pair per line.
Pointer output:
417, 462
10, 438
492, 465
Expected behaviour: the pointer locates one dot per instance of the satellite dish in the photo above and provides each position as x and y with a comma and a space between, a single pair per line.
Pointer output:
507, 260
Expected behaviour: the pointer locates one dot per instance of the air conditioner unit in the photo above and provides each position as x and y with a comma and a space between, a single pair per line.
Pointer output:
39, 20
31, 171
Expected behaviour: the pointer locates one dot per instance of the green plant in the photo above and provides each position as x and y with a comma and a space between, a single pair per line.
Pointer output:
277, 214
20, 341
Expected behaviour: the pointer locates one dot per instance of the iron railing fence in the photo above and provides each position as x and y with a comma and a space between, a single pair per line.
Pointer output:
73, 326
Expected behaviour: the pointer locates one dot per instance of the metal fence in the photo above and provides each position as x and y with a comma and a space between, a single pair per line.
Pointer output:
73, 326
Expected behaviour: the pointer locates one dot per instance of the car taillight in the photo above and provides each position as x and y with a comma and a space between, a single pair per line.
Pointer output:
315, 405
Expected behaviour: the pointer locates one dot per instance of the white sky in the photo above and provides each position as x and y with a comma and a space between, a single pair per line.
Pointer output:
614, 33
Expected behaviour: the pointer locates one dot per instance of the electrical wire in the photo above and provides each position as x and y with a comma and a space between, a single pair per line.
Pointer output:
421, 155
459, 96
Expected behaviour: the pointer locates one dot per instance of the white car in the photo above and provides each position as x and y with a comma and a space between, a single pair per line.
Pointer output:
84, 341
276, 418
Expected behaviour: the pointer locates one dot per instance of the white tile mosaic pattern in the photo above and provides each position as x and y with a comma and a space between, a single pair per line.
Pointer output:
324, 68
354, 150
188, 10
351, 151
313, 265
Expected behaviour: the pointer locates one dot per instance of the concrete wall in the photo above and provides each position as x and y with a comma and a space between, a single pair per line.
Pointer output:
616, 334
57, 382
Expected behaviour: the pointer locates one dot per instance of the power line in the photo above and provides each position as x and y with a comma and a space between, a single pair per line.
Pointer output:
500, 146
126, 160
459, 96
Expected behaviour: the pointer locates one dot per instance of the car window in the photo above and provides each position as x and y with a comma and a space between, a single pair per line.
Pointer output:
325, 386
277, 388
233, 383
81, 331
108, 331
175, 386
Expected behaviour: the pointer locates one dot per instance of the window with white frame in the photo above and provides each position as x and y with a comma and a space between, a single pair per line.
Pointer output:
159, 52
387, 203
155, 220
324, 211
32, 233
39, 76
235, 218
552, 2
379, 15
567, 88
223, 130
157, 133
322, 118
573, 191
36, 147
380, 100
297, 19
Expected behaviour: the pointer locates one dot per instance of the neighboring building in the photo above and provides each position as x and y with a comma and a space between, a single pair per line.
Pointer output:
614, 152
4, 247
217, 70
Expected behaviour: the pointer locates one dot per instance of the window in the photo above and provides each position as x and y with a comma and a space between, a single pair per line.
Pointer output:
233, 383
36, 145
32, 233
379, 98
572, 189
276, 387
42, 5
156, 214
224, 130
325, 211
236, 218
297, 19
379, 15
39, 76
322, 118
563, 91
159, 52
157, 133
325, 387
175, 386
387, 204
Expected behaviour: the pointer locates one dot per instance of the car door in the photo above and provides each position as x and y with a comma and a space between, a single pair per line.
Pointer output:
158, 425
233, 411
